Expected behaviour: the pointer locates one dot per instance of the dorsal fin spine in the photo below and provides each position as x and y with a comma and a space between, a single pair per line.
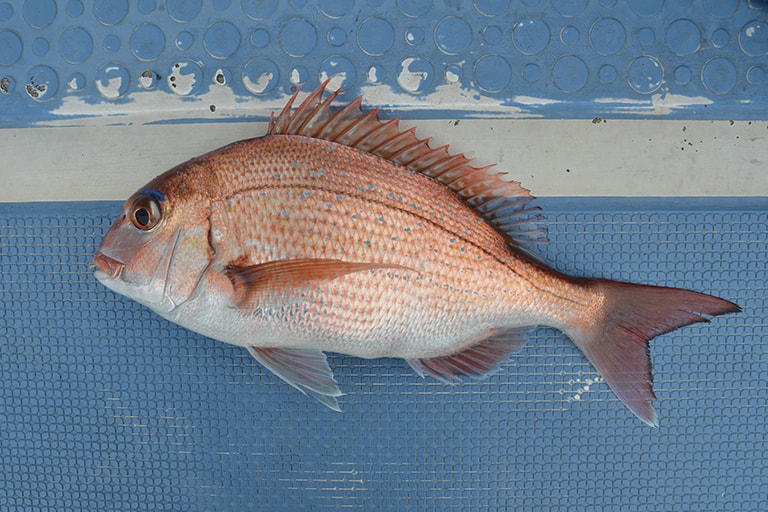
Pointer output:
502, 203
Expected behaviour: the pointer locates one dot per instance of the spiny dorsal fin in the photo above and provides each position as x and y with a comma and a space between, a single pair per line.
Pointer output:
503, 203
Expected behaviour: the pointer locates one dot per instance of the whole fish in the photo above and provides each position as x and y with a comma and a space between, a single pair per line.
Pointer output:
339, 232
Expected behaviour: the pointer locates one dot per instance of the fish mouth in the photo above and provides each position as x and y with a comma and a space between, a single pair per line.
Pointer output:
110, 267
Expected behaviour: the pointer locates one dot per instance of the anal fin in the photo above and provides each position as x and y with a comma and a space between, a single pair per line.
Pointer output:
306, 369
477, 361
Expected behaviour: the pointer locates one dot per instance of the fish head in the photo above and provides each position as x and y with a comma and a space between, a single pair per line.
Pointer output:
157, 250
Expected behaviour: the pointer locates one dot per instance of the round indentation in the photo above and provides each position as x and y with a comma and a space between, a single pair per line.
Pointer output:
683, 37
414, 8
339, 70
569, 35
376, 74
7, 84
75, 45
569, 7
375, 36
75, 8
336, 8
185, 77
298, 38
683, 75
492, 35
39, 13
531, 73
76, 83
184, 40
608, 74
531, 36
491, 7
6, 13
260, 9
415, 74
260, 38
414, 36
148, 79
607, 36
753, 38
110, 12
492, 73
756, 75
10, 48
260, 76
337, 36
646, 7
146, 6
299, 75
645, 74
720, 38
183, 11
147, 42
221, 40
112, 81
42, 83
721, 8
570, 73
453, 35
40, 46
719, 75
453, 73
111, 43
646, 36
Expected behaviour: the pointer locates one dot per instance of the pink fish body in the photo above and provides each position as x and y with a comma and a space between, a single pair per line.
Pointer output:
337, 232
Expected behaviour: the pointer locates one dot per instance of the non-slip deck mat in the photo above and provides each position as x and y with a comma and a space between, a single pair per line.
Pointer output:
105, 406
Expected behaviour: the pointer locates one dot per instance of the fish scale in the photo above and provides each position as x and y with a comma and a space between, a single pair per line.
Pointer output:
339, 232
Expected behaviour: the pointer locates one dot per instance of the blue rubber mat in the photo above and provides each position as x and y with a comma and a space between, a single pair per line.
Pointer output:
105, 406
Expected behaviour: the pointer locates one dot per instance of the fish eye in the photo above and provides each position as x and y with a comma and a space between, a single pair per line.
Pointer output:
145, 212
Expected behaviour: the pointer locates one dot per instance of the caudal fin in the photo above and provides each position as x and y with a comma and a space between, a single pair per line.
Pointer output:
615, 334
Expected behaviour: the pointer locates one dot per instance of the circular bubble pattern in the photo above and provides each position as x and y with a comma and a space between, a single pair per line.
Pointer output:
571, 47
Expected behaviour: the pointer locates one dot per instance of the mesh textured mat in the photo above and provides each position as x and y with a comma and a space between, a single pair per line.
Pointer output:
105, 406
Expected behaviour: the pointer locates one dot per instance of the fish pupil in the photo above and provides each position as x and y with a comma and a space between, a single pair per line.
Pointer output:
142, 216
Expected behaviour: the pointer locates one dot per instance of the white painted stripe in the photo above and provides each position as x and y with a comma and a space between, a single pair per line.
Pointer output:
551, 157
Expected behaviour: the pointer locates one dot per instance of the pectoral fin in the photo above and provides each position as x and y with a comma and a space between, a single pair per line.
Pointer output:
253, 283
305, 369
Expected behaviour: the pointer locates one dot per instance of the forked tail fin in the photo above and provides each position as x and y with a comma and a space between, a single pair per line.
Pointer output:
615, 334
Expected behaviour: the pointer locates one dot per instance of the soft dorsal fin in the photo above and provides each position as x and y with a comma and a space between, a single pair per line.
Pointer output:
503, 203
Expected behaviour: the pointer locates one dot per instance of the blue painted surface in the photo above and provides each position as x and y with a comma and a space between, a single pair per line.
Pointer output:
559, 58
105, 406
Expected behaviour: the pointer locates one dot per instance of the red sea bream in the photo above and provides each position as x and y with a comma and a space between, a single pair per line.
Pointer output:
339, 232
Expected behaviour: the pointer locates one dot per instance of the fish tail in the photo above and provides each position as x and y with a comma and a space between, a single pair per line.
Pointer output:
622, 319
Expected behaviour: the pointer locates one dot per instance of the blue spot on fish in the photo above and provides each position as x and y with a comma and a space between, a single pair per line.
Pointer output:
284, 214
340, 197
278, 175
156, 194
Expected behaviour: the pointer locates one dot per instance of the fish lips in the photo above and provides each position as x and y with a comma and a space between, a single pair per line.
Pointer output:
109, 268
